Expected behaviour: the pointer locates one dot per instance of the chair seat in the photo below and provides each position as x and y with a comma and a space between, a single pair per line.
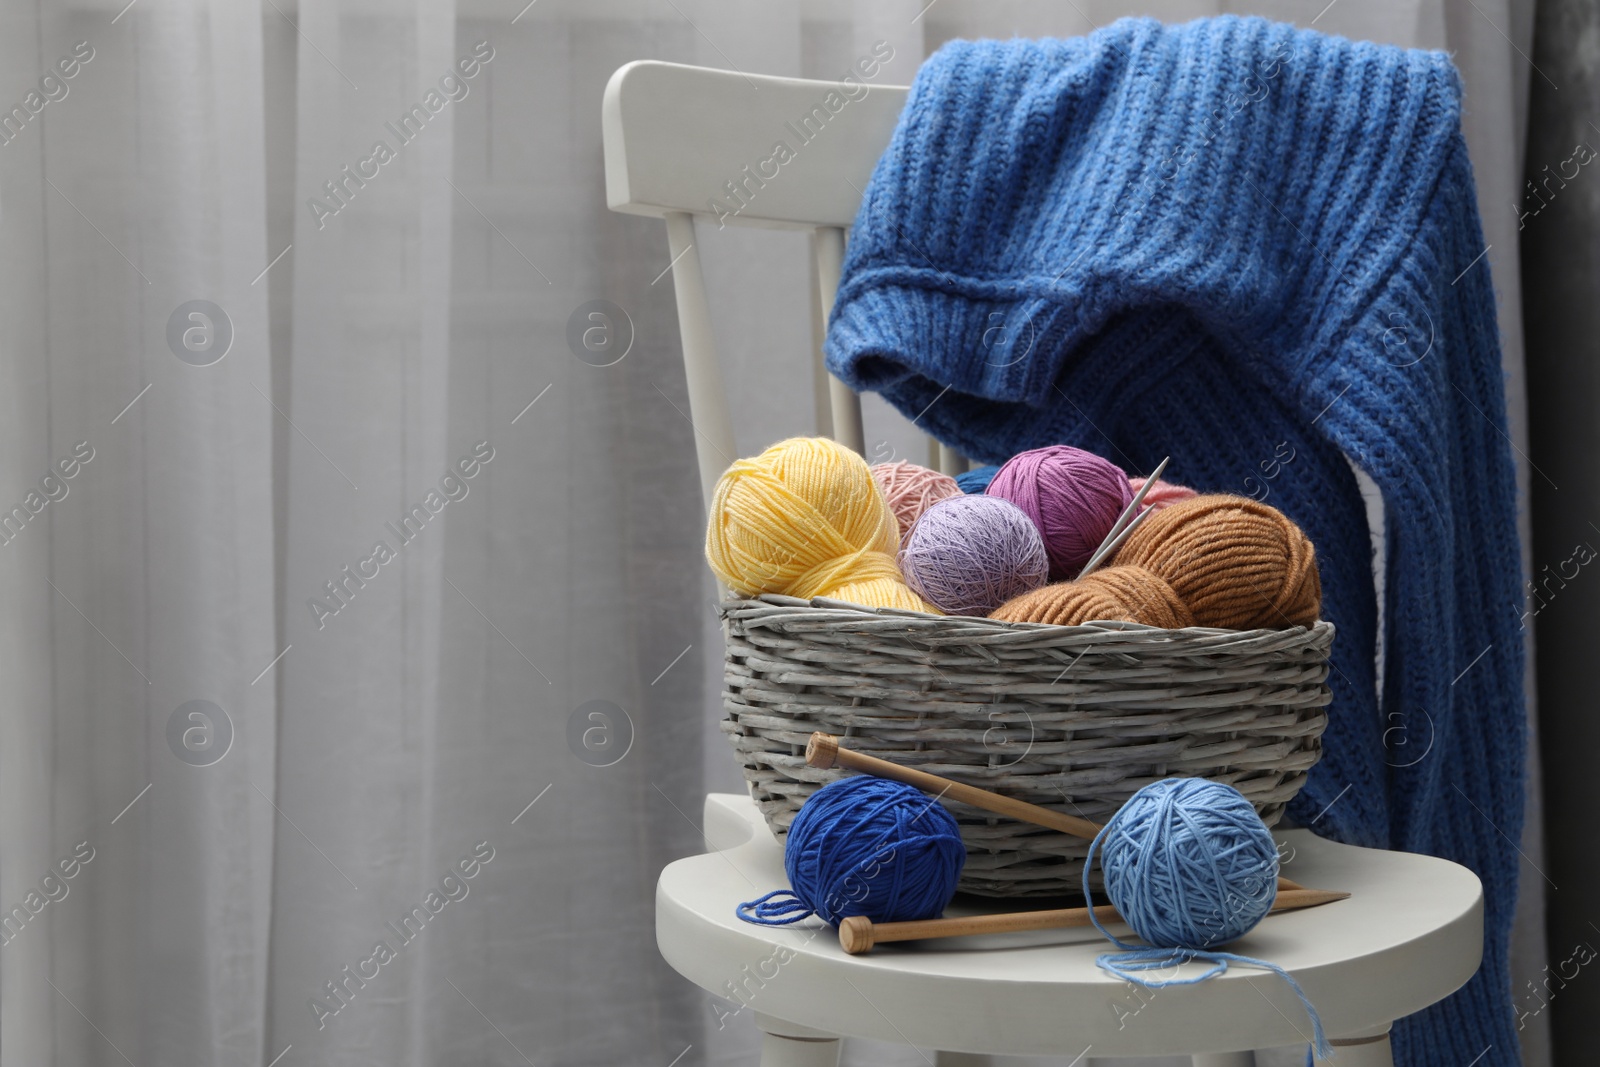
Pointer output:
1411, 933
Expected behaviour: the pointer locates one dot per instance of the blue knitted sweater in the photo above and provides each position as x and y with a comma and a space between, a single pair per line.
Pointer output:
1256, 249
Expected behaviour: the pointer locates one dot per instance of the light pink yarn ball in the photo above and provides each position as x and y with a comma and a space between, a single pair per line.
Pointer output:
911, 490
1162, 493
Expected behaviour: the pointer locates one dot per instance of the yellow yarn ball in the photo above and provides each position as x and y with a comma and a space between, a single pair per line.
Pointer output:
805, 518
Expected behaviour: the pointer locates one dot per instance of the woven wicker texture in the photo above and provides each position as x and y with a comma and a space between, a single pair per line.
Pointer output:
1075, 718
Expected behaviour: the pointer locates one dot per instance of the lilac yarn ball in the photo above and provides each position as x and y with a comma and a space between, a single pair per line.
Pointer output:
969, 554
1072, 496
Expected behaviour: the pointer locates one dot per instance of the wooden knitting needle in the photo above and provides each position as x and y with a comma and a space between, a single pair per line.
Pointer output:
824, 752
857, 934
1124, 525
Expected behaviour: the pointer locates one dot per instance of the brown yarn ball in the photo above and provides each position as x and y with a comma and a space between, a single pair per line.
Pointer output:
1125, 594
1237, 563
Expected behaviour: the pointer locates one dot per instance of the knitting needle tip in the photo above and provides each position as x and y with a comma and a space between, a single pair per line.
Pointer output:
1131, 516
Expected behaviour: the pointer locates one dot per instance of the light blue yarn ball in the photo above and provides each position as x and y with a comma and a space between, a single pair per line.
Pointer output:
870, 846
1189, 864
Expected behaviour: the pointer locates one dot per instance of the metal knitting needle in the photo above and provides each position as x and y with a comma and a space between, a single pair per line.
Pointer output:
1123, 526
1104, 551
1138, 498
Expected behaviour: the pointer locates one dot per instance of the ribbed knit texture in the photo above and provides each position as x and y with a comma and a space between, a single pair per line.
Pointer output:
1223, 241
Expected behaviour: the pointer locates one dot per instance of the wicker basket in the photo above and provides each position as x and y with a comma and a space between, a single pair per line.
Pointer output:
1075, 718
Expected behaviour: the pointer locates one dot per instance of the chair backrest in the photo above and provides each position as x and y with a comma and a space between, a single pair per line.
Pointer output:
747, 150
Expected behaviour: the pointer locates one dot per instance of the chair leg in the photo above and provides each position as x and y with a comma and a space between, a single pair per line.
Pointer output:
1360, 1052
780, 1051
1225, 1059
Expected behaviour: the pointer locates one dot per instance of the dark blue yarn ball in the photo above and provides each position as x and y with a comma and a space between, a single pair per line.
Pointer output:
869, 846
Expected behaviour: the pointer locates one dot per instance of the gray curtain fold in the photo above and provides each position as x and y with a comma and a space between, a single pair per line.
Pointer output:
1558, 219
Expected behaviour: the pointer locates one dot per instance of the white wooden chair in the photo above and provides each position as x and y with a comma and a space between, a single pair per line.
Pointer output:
675, 138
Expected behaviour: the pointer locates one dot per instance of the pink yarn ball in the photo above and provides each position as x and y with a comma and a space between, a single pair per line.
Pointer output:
1073, 496
911, 490
1162, 493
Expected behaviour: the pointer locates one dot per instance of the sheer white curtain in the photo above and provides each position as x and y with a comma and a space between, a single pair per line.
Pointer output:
402, 727
137, 187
